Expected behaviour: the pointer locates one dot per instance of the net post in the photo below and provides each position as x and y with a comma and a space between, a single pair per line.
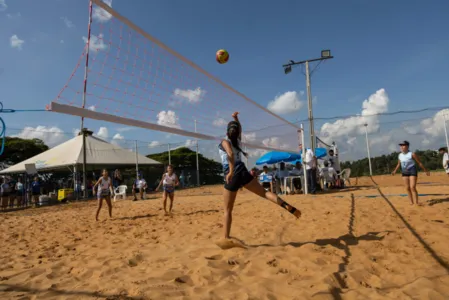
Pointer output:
197, 161
89, 26
137, 160
303, 155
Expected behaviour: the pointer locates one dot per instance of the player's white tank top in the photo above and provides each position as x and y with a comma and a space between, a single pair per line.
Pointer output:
406, 160
105, 183
224, 156
169, 180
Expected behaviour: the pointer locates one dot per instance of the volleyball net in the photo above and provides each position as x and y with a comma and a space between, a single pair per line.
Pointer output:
131, 78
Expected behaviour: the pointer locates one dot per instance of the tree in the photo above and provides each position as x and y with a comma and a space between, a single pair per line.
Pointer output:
18, 150
185, 159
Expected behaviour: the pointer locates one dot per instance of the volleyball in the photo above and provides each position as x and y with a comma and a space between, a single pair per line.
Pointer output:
222, 56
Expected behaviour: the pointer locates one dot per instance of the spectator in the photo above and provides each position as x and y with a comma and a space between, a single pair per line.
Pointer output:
117, 178
12, 192
328, 173
334, 162
280, 175
4, 193
188, 179
266, 179
139, 186
35, 190
311, 163
297, 171
443, 151
181, 179
19, 192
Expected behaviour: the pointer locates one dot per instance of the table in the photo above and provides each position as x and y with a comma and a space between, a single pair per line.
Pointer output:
291, 182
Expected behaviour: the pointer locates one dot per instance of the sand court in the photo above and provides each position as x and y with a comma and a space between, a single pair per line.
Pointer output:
345, 246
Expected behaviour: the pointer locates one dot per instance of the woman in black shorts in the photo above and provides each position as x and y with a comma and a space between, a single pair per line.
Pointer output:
237, 175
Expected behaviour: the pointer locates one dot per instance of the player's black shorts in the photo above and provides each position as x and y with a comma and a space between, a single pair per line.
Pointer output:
266, 185
241, 178
410, 172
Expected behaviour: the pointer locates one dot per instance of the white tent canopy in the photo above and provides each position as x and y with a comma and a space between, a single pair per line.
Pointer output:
70, 153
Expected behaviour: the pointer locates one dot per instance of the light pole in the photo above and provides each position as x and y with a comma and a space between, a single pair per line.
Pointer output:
325, 54
445, 133
367, 149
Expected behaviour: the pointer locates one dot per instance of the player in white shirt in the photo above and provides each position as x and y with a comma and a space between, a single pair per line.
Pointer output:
443, 151
407, 161
169, 182
104, 192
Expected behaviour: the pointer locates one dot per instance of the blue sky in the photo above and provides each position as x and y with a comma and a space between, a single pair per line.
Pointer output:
398, 46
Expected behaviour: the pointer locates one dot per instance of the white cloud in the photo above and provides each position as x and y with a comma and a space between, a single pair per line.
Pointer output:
76, 131
99, 14
168, 118
190, 143
248, 137
51, 136
375, 104
67, 22
96, 43
103, 133
220, 122
92, 108
124, 129
274, 142
13, 16
3, 5
435, 126
286, 103
117, 138
192, 96
15, 42
154, 144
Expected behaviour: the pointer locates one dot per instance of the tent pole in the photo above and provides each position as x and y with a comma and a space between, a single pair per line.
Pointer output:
84, 132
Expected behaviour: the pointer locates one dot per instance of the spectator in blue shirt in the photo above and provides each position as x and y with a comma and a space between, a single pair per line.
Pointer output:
266, 179
36, 190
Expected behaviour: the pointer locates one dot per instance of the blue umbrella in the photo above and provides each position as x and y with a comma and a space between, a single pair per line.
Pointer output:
275, 157
319, 153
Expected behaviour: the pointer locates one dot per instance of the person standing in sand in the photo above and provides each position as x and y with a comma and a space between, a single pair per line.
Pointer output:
169, 182
407, 163
237, 176
104, 192
443, 152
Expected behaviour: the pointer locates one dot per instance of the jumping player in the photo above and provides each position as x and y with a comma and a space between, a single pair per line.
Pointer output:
407, 163
169, 182
104, 192
237, 176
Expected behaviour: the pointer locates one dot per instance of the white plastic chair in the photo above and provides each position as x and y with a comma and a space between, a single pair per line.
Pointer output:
120, 191
345, 176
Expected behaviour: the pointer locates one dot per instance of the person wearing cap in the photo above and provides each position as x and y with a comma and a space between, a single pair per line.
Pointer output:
407, 161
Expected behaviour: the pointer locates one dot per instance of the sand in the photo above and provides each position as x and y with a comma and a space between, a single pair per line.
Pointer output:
350, 244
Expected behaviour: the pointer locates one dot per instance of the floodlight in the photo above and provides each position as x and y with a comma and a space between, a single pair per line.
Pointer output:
287, 69
325, 53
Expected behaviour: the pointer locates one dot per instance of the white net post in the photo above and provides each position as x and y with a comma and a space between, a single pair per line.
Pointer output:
197, 161
303, 155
